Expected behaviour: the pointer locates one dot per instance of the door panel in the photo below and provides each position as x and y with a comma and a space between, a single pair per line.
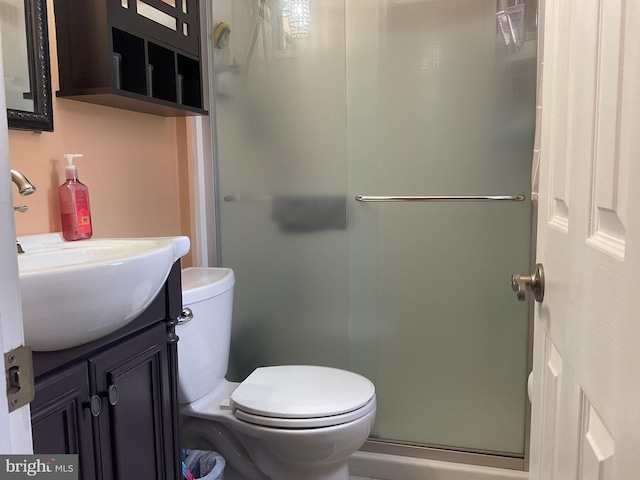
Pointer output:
61, 419
588, 241
134, 416
384, 98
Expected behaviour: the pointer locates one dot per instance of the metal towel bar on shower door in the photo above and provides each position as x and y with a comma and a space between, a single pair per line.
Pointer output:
440, 198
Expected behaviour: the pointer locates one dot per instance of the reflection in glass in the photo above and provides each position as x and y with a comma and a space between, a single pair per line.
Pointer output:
297, 15
15, 57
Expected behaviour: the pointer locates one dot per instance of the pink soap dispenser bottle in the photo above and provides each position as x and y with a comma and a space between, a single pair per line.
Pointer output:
74, 204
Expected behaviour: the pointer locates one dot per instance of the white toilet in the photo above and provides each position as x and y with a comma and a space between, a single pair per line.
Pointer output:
281, 423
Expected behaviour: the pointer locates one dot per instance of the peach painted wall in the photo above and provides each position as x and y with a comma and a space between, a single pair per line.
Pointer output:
133, 164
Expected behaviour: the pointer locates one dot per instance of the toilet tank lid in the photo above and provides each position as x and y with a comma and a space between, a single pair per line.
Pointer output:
200, 283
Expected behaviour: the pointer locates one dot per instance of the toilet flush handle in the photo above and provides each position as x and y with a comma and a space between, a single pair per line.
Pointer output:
185, 316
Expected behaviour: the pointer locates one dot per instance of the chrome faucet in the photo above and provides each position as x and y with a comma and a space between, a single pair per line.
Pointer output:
25, 187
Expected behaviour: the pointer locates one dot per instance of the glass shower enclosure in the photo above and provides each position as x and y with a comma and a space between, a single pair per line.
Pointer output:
324, 108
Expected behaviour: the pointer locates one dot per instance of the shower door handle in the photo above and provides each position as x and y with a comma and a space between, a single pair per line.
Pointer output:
534, 283
439, 198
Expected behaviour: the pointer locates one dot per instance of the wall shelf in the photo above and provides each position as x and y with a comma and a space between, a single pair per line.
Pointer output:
131, 54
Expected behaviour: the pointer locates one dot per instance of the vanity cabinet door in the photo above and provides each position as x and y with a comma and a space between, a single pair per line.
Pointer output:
61, 418
135, 425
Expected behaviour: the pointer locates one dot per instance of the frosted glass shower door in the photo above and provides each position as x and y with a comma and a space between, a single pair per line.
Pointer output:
441, 108
388, 97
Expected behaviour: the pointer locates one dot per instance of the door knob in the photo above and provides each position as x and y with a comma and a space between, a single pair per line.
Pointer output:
535, 283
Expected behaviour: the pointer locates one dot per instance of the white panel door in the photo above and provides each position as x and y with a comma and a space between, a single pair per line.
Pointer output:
15, 427
586, 391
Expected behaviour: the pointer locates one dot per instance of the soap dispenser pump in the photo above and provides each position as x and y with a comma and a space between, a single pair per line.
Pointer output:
74, 204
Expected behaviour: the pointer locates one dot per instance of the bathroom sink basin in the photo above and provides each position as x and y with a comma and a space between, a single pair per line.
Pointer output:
76, 292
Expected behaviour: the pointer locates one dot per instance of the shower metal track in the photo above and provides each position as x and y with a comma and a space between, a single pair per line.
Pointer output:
446, 454
440, 198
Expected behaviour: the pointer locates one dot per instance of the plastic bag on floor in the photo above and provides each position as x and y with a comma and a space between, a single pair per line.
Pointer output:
202, 465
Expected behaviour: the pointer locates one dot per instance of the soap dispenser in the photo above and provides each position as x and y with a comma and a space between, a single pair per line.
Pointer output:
74, 204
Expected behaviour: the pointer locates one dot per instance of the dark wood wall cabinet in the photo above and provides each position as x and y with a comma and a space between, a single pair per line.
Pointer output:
114, 401
141, 55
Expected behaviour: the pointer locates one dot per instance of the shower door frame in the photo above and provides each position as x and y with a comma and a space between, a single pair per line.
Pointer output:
205, 227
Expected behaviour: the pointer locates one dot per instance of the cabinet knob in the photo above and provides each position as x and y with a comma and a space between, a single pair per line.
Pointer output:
95, 402
112, 395
94, 405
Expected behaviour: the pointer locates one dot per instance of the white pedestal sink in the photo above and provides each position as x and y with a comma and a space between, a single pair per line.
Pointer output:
76, 292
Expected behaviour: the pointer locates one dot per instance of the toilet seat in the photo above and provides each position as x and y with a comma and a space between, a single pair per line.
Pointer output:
301, 423
302, 396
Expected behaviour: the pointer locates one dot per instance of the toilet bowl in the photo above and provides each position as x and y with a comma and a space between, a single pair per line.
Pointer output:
291, 422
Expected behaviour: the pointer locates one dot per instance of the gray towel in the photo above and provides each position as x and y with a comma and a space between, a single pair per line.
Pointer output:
310, 213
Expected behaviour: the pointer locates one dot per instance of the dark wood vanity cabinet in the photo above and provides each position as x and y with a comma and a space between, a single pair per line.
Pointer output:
131, 54
114, 401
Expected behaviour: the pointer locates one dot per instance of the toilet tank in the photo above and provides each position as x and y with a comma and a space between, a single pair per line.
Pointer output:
203, 348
